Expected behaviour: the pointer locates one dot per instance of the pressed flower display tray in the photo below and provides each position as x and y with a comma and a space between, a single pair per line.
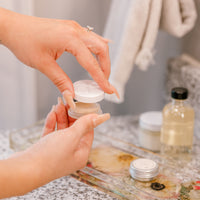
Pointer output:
109, 161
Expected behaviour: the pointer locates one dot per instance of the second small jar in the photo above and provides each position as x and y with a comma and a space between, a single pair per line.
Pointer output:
150, 125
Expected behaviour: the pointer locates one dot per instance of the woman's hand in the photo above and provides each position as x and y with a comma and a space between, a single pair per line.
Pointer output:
39, 42
79, 139
66, 150
56, 154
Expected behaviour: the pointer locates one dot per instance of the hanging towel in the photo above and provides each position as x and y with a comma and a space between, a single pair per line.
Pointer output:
133, 26
139, 26
178, 16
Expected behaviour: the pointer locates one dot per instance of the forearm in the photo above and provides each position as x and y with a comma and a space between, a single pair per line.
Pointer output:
5, 21
10, 24
19, 175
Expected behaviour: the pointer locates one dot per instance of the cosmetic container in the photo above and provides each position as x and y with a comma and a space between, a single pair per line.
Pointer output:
144, 170
178, 124
149, 130
87, 94
84, 109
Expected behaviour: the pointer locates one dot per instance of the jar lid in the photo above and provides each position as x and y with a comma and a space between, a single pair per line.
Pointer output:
143, 169
151, 120
88, 91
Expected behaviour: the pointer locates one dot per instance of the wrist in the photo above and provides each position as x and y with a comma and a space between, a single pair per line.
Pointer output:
19, 175
8, 25
32, 169
5, 16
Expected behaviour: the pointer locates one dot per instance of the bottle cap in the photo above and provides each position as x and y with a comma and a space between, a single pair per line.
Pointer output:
143, 169
179, 93
151, 121
88, 91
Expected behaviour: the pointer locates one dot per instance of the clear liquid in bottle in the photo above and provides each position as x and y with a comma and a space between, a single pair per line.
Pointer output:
178, 124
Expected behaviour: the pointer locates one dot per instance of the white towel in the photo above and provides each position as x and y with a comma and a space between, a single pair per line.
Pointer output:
178, 16
133, 26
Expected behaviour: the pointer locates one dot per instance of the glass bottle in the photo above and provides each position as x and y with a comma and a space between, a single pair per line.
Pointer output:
178, 124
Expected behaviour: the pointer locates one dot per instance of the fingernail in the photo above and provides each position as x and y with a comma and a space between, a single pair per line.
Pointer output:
114, 91
108, 40
196, 187
69, 99
53, 109
197, 181
60, 101
100, 119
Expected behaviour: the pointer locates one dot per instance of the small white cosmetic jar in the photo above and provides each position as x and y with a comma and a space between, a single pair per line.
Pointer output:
150, 126
144, 170
87, 94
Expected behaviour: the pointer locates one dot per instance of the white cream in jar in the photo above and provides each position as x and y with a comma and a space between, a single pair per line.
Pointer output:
150, 129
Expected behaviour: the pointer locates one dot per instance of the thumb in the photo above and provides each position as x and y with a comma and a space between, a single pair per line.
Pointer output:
87, 123
84, 133
60, 79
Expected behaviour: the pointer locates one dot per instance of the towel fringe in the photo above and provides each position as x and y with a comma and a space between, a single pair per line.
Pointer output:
145, 58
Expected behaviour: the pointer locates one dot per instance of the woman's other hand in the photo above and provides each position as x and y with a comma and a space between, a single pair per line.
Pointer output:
65, 150
39, 42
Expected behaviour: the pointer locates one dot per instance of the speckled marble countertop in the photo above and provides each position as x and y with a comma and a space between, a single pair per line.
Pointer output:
122, 127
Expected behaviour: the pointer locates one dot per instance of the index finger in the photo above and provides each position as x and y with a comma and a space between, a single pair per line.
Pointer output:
99, 46
87, 60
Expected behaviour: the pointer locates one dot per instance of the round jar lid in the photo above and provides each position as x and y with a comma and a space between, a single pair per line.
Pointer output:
143, 169
88, 91
151, 120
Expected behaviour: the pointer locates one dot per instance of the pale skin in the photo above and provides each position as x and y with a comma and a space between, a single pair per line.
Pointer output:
38, 43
